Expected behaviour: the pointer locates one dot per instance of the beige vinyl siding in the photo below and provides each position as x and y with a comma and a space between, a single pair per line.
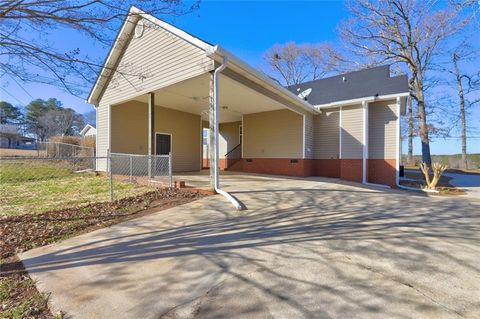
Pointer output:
382, 134
309, 136
102, 143
129, 128
229, 137
352, 132
130, 133
326, 134
185, 130
274, 134
156, 59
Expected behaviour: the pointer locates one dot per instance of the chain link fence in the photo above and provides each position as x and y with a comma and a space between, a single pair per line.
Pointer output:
63, 150
60, 179
138, 168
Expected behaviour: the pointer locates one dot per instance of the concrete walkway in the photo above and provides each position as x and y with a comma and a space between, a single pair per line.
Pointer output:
307, 248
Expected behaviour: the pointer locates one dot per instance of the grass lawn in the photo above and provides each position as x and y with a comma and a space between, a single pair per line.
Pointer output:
45, 201
38, 187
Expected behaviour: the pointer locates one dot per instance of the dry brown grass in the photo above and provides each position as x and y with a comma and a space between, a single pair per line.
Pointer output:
8, 152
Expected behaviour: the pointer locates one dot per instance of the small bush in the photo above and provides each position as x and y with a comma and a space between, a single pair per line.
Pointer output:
88, 141
75, 140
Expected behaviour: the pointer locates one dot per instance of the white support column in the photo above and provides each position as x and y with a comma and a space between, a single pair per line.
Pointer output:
243, 137
397, 164
151, 130
340, 129
365, 141
211, 133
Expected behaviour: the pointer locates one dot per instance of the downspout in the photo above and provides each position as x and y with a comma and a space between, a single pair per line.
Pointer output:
216, 73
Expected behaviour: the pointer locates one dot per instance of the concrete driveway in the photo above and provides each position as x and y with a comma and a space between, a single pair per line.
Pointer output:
469, 182
306, 248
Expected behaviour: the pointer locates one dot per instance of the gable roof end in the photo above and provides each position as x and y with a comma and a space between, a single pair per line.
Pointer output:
123, 39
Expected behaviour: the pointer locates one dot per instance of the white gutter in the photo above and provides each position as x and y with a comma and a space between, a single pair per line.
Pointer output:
235, 203
222, 53
360, 100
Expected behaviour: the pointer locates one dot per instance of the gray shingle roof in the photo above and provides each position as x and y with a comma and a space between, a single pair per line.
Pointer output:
359, 84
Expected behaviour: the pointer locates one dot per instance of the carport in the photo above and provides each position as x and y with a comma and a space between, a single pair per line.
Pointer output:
165, 107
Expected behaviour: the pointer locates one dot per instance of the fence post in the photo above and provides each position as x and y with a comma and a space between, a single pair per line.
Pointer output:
130, 168
109, 170
170, 169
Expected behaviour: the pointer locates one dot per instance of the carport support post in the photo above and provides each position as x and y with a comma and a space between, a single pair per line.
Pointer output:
211, 134
151, 130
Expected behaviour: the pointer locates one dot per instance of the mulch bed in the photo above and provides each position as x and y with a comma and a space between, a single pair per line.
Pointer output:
24, 232
443, 186
20, 233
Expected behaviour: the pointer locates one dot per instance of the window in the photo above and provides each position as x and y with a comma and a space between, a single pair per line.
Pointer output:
163, 144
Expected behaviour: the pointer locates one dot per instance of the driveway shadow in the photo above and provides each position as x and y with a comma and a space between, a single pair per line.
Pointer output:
324, 229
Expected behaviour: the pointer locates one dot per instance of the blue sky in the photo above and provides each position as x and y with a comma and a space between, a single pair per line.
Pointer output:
245, 28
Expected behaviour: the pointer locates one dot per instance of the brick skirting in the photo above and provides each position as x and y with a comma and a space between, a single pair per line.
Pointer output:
378, 171
222, 161
351, 170
382, 171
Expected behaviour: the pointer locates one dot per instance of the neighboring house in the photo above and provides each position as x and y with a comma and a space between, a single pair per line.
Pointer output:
88, 131
11, 137
159, 101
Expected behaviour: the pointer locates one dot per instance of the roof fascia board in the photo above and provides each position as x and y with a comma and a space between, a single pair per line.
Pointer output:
86, 128
174, 30
360, 100
108, 60
218, 53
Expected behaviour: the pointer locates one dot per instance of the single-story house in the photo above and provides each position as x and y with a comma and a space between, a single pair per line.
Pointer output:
160, 87
88, 131
11, 137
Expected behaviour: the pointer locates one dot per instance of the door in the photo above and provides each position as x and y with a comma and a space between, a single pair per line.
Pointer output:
163, 144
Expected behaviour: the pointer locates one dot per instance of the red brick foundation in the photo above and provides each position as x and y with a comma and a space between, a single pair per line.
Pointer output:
222, 163
378, 171
351, 170
382, 171
274, 166
325, 167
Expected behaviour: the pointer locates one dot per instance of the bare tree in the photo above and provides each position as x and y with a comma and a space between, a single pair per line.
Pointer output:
411, 130
56, 121
28, 55
407, 32
465, 85
292, 63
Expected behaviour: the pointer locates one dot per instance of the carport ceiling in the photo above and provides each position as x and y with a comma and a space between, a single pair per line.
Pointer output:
192, 96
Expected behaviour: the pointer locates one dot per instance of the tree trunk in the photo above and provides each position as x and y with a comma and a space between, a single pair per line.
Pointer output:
461, 98
422, 121
410, 131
